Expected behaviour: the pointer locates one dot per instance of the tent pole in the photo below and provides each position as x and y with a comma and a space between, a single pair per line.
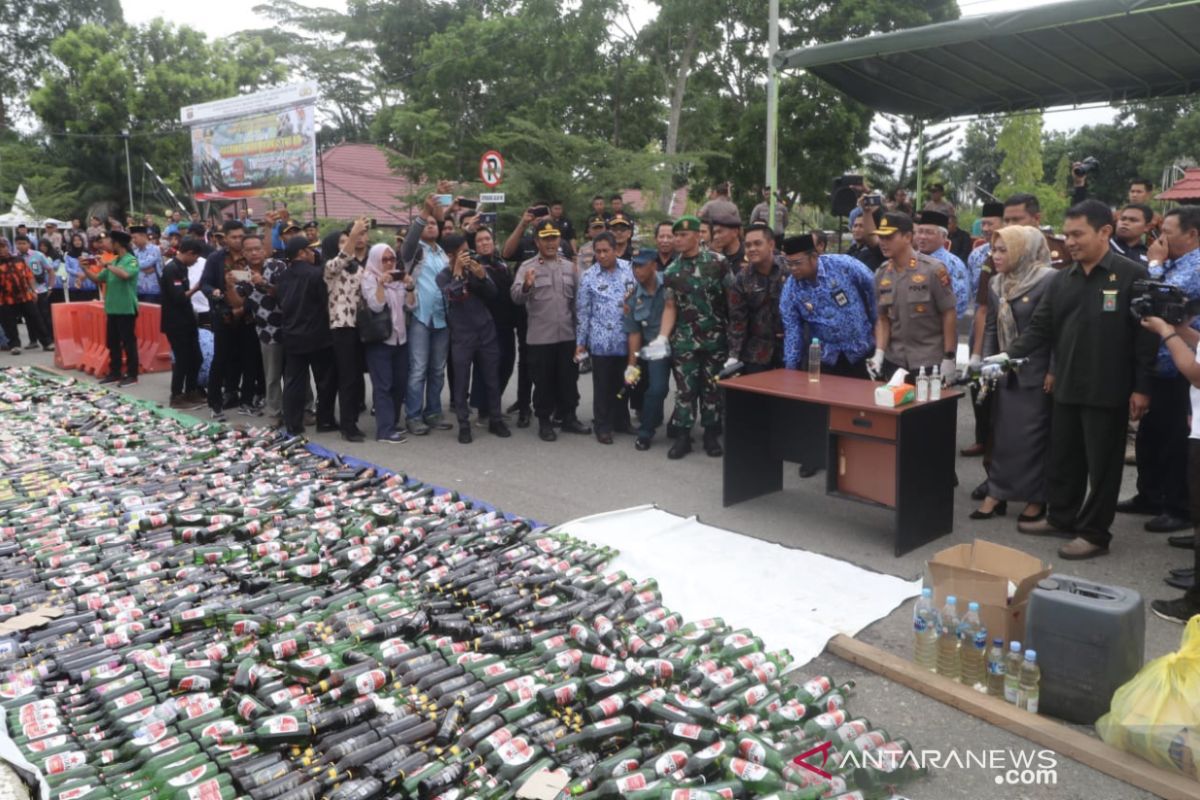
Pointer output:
920, 164
772, 113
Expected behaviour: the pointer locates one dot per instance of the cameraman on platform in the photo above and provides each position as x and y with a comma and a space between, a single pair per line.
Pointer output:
1161, 446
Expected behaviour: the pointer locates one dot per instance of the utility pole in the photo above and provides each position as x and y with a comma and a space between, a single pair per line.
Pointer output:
128, 172
772, 111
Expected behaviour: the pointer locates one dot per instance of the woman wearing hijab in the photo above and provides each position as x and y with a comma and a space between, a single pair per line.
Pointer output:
77, 282
1021, 421
384, 285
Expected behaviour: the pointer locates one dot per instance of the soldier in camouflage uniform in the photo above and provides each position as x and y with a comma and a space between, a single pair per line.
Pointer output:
755, 325
695, 319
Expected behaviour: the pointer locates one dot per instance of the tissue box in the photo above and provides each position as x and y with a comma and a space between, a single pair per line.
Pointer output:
893, 396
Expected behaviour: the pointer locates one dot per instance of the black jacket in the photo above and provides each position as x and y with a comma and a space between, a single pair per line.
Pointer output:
178, 315
304, 303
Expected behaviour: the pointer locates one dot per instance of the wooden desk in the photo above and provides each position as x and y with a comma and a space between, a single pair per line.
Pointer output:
898, 458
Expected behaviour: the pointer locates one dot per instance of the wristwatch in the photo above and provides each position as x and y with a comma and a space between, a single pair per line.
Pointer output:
948, 354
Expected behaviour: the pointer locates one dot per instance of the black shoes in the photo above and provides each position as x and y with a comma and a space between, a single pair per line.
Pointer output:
546, 431
1136, 505
523, 419
604, 438
681, 447
323, 428
807, 471
464, 434
354, 436
999, 510
1181, 610
107, 378
1183, 542
642, 444
130, 380
712, 443
1167, 523
497, 428
575, 426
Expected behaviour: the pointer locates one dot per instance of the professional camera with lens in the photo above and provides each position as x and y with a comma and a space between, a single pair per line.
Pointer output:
1157, 299
1089, 164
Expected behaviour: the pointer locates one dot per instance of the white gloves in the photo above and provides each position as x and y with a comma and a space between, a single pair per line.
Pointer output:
656, 349
729, 362
999, 358
976, 360
632, 375
949, 370
991, 372
875, 364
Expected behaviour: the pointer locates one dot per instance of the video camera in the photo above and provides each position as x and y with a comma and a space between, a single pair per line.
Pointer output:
1157, 299
1089, 164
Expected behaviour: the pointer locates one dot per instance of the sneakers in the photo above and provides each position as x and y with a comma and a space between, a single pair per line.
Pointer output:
396, 438
417, 428
16, 351
110, 379
249, 411
438, 423
642, 444
129, 381
49, 348
259, 402
1181, 610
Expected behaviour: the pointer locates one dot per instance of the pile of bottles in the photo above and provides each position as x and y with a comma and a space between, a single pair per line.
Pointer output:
242, 618
957, 648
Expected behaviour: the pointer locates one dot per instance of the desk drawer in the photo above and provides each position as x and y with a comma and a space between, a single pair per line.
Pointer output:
864, 423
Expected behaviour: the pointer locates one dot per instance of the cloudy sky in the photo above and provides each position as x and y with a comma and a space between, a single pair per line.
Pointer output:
222, 17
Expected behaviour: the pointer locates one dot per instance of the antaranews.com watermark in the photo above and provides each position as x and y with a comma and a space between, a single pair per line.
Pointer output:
1011, 767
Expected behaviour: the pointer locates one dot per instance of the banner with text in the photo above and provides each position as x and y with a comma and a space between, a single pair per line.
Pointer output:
258, 144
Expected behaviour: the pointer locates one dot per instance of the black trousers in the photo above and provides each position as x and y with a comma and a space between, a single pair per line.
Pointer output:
506, 340
1194, 484
296, 367
847, 369
185, 372
1162, 447
1087, 455
555, 375
608, 377
348, 357
10, 317
524, 369
122, 337
481, 351
43, 304
236, 356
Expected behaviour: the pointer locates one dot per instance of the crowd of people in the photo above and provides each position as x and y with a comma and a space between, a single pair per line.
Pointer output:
297, 321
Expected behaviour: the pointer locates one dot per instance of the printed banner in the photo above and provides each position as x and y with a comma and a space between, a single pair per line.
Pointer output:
258, 144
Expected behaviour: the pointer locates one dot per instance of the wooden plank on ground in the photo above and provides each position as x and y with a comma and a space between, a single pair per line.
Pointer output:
1041, 730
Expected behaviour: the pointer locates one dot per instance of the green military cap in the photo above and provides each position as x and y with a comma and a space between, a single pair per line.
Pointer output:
686, 223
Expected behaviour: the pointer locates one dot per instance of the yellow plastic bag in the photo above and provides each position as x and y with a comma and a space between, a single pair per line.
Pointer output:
1156, 715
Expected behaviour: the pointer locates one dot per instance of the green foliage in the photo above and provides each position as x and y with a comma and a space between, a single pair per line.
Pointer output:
1020, 140
49, 186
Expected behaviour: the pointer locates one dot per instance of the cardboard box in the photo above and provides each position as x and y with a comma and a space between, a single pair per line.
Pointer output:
981, 572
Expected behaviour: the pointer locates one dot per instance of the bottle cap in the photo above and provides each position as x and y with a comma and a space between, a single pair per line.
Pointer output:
998, 642
972, 606
816, 340
950, 599
1014, 646
927, 592
1031, 655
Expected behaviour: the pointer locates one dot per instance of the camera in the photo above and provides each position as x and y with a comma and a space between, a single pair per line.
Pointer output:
1089, 164
873, 200
1156, 299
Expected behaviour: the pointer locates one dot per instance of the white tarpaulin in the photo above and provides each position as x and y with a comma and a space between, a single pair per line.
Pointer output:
791, 598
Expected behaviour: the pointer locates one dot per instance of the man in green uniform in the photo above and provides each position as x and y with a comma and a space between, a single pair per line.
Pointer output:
917, 325
694, 320
120, 280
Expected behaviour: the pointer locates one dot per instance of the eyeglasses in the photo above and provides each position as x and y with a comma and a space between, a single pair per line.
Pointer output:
388, 258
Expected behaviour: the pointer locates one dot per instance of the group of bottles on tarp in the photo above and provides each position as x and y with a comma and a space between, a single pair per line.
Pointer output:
243, 619
957, 647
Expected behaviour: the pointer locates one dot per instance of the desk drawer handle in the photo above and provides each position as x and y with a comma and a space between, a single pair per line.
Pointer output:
863, 423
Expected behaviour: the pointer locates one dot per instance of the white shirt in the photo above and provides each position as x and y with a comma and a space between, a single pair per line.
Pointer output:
199, 301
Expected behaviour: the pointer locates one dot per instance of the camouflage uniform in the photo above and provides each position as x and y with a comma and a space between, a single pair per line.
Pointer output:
698, 286
755, 324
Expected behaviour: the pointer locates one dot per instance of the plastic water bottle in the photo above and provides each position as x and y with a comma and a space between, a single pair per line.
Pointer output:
935, 384
948, 664
925, 631
1012, 672
1027, 688
972, 637
922, 386
995, 669
814, 360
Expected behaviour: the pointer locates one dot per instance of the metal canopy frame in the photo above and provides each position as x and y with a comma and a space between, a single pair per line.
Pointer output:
1068, 53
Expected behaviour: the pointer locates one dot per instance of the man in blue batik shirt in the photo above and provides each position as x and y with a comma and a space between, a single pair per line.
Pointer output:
929, 237
600, 333
1162, 437
830, 298
150, 264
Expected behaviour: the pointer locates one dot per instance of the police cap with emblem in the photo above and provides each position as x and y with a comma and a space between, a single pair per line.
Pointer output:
895, 222
547, 230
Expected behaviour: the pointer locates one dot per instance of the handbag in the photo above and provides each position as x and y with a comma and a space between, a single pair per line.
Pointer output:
373, 326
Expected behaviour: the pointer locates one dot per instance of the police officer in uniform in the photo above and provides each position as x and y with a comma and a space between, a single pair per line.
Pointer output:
917, 322
694, 320
545, 286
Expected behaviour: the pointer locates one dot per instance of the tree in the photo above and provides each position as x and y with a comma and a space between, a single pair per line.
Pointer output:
977, 166
902, 135
47, 183
1020, 140
30, 27
107, 81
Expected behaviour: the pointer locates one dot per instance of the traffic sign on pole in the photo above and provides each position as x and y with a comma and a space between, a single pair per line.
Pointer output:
495, 198
491, 168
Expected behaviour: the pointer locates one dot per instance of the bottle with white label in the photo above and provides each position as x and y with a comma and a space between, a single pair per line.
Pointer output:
922, 386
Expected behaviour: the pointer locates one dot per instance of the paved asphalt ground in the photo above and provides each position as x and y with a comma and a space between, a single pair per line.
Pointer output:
576, 476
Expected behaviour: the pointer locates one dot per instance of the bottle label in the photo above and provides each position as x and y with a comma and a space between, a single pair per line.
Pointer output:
625, 767
687, 731
606, 724
191, 614
188, 778
852, 730
42, 745
62, 762
752, 751
869, 741
827, 721
755, 694
920, 624
164, 745
516, 752
611, 705
370, 681
564, 695
610, 680
282, 724
127, 699
246, 708
194, 683
817, 686
499, 738
748, 771
209, 790
631, 783
285, 649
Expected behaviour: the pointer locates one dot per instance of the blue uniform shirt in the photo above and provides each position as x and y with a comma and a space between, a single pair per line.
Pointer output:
1183, 272
600, 309
149, 256
975, 264
960, 279
646, 310
838, 306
